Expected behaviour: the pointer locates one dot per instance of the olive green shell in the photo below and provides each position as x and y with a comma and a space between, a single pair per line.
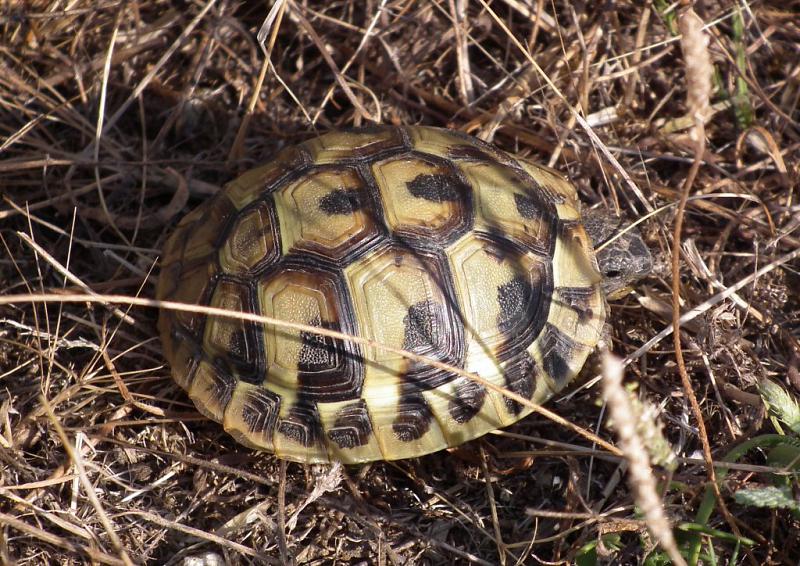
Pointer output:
415, 237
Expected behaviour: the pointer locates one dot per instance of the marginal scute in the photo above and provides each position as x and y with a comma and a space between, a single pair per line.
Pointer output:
301, 426
401, 412
574, 257
194, 215
471, 153
468, 400
185, 353
168, 282
579, 315
203, 239
520, 377
173, 249
582, 300
196, 284
352, 426
551, 183
558, 353
450, 144
251, 415
211, 389
414, 416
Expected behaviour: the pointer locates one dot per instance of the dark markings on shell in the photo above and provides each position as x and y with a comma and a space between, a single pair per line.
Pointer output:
422, 327
469, 152
302, 424
513, 298
433, 330
578, 299
528, 206
525, 300
414, 415
520, 375
223, 382
352, 426
241, 351
243, 354
438, 187
260, 410
186, 354
341, 201
333, 371
327, 370
248, 237
318, 352
396, 143
556, 348
468, 400
419, 235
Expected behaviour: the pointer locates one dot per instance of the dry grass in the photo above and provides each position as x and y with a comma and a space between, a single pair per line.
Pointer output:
115, 117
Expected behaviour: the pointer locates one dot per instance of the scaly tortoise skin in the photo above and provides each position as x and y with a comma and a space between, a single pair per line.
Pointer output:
415, 237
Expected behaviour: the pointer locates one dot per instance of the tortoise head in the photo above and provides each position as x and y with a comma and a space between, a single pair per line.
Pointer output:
623, 257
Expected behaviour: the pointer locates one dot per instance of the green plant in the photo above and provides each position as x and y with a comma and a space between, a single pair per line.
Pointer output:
783, 454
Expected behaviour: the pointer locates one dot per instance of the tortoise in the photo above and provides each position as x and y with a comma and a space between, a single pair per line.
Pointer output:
419, 238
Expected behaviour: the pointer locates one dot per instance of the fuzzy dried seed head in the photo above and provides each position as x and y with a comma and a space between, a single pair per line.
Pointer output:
699, 70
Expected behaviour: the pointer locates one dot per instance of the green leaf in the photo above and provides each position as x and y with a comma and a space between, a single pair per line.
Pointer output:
657, 558
716, 533
780, 404
786, 455
769, 497
587, 555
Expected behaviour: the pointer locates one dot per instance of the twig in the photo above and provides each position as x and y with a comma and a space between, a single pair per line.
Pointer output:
283, 546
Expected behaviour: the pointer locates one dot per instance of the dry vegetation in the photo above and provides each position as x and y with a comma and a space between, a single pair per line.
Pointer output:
88, 202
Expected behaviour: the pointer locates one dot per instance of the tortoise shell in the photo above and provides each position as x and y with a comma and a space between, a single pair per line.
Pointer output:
415, 237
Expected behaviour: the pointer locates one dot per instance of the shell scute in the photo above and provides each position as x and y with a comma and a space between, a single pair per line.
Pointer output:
253, 241
327, 214
424, 202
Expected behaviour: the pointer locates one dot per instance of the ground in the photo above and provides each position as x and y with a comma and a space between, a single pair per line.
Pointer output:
116, 118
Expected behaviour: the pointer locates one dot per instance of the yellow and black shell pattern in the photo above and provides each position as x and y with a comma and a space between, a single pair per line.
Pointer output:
419, 238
